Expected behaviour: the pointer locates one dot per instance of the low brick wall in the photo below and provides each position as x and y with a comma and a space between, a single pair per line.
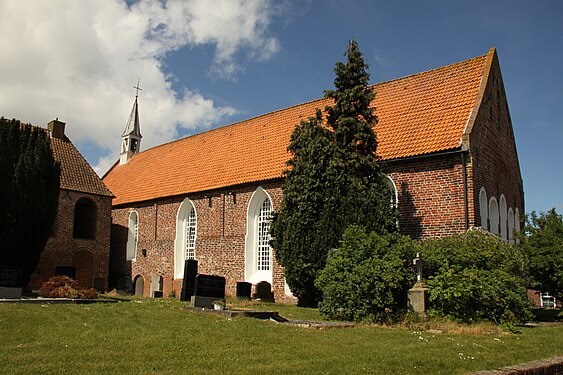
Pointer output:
551, 366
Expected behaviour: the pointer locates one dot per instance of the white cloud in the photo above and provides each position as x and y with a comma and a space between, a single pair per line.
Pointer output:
78, 60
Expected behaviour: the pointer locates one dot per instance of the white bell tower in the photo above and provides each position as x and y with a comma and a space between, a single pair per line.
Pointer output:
131, 137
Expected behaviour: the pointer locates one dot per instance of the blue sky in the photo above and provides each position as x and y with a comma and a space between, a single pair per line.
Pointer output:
205, 64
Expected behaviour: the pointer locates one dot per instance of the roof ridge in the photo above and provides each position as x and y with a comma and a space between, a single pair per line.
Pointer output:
449, 66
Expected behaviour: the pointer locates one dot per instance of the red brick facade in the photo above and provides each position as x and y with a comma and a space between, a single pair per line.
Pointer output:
466, 144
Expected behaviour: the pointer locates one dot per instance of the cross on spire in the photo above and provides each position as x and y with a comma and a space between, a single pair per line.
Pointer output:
137, 87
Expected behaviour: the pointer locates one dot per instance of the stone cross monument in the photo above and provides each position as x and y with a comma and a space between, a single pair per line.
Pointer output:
418, 294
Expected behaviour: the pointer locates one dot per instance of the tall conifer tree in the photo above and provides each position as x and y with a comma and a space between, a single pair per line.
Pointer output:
29, 188
333, 180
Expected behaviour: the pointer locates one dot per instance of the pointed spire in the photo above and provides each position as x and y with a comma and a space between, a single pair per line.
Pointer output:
134, 125
131, 137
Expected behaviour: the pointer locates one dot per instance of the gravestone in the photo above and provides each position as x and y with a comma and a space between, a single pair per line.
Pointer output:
157, 294
244, 289
207, 288
190, 272
10, 282
418, 294
264, 291
99, 283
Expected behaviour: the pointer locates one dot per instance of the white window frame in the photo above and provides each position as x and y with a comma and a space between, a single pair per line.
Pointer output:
494, 216
181, 242
132, 236
254, 243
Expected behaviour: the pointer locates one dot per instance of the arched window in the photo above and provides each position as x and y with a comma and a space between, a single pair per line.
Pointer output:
186, 234
503, 218
132, 235
84, 219
258, 253
493, 215
510, 226
484, 209
393, 188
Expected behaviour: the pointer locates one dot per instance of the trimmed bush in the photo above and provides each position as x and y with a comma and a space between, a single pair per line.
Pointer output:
476, 276
65, 287
368, 277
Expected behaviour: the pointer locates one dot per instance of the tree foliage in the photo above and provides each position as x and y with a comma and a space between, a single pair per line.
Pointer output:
29, 187
333, 180
368, 276
476, 276
542, 242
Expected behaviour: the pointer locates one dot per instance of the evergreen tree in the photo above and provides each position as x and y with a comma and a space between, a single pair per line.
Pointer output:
30, 190
333, 181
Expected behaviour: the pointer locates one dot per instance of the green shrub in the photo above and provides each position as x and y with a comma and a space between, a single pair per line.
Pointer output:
368, 277
476, 276
65, 287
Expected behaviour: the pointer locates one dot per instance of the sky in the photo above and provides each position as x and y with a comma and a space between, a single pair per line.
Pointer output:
209, 63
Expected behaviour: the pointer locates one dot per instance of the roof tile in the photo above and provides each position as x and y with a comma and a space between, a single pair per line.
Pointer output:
419, 114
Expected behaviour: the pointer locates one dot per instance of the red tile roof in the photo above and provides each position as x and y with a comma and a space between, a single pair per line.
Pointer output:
76, 173
419, 114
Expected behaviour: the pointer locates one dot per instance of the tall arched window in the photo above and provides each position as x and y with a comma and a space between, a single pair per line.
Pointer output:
84, 219
493, 215
132, 235
186, 235
503, 218
510, 226
393, 188
258, 253
484, 209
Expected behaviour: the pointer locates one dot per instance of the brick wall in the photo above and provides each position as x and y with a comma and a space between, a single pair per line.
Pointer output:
430, 195
90, 257
220, 242
493, 149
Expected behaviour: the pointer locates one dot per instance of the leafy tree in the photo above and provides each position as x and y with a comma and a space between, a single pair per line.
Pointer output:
476, 276
333, 180
368, 277
542, 242
29, 188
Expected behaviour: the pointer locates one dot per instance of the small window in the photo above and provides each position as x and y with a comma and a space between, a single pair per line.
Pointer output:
190, 224
484, 209
547, 300
84, 219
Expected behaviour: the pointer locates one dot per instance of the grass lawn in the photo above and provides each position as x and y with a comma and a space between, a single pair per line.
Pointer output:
159, 337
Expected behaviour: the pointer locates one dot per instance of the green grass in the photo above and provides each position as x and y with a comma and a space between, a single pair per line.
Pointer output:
159, 337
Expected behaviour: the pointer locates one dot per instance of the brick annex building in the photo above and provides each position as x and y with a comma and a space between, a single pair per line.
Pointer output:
445, 140
80, 242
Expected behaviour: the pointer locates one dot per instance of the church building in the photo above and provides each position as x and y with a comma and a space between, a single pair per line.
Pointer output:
445, 141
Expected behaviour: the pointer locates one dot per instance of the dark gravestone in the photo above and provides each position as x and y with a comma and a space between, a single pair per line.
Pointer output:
65, 271
208, 288
190, 272
10, 282
99, 284
10, 277
157, 294
244, 289
264, 291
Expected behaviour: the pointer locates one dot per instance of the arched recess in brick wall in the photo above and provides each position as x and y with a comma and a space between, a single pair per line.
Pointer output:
139, 285
258, 253
517, 220
84, 263
484, 208
503, 218
186, 235
84, 225
510, 226
493, 215
132, 235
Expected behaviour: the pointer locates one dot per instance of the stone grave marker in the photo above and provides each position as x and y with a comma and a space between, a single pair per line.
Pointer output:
10, 282
188, 284
418, 294
208, 288
244, 289
264, 291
